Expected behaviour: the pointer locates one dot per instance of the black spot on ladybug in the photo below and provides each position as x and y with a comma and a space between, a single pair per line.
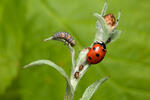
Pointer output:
89, 58
97, 55
94, 48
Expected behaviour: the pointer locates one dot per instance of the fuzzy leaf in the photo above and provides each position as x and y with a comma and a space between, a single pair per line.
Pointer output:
116, 34
101, 22
70, 47
51, 64
104, 9
102, 28
92, 89
81, 60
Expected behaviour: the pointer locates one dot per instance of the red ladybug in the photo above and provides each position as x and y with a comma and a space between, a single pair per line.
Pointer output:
96, 53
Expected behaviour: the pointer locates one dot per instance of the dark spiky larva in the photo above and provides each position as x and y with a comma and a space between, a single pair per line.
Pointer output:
65, 36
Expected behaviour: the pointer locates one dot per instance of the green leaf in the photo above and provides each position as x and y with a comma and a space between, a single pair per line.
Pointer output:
102, 28
101, 22
58, 68
70, 47
80, 60
51, 64
103, 13
116, 34
87, 95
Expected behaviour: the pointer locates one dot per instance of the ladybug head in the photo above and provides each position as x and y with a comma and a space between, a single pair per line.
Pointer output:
100, 43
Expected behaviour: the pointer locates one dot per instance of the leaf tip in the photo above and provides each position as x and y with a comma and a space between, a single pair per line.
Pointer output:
50, 38
107, 77
96, 14
26, 66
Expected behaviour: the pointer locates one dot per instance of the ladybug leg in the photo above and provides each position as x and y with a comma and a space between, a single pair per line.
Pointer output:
61, 40
65, 42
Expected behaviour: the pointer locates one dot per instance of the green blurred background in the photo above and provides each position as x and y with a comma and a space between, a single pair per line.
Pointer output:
25, 23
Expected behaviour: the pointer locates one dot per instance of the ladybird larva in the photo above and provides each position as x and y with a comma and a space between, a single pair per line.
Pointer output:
81, 67
76, 75
65, 36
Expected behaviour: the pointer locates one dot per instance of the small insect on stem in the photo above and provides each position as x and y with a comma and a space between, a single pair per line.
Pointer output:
65, 36
110, 19
81, 67
96, 53
76, 75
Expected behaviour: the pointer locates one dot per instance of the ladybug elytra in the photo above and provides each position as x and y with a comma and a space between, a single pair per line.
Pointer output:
96, 53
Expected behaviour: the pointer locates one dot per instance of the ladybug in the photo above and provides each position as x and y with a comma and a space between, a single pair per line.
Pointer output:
96, 53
